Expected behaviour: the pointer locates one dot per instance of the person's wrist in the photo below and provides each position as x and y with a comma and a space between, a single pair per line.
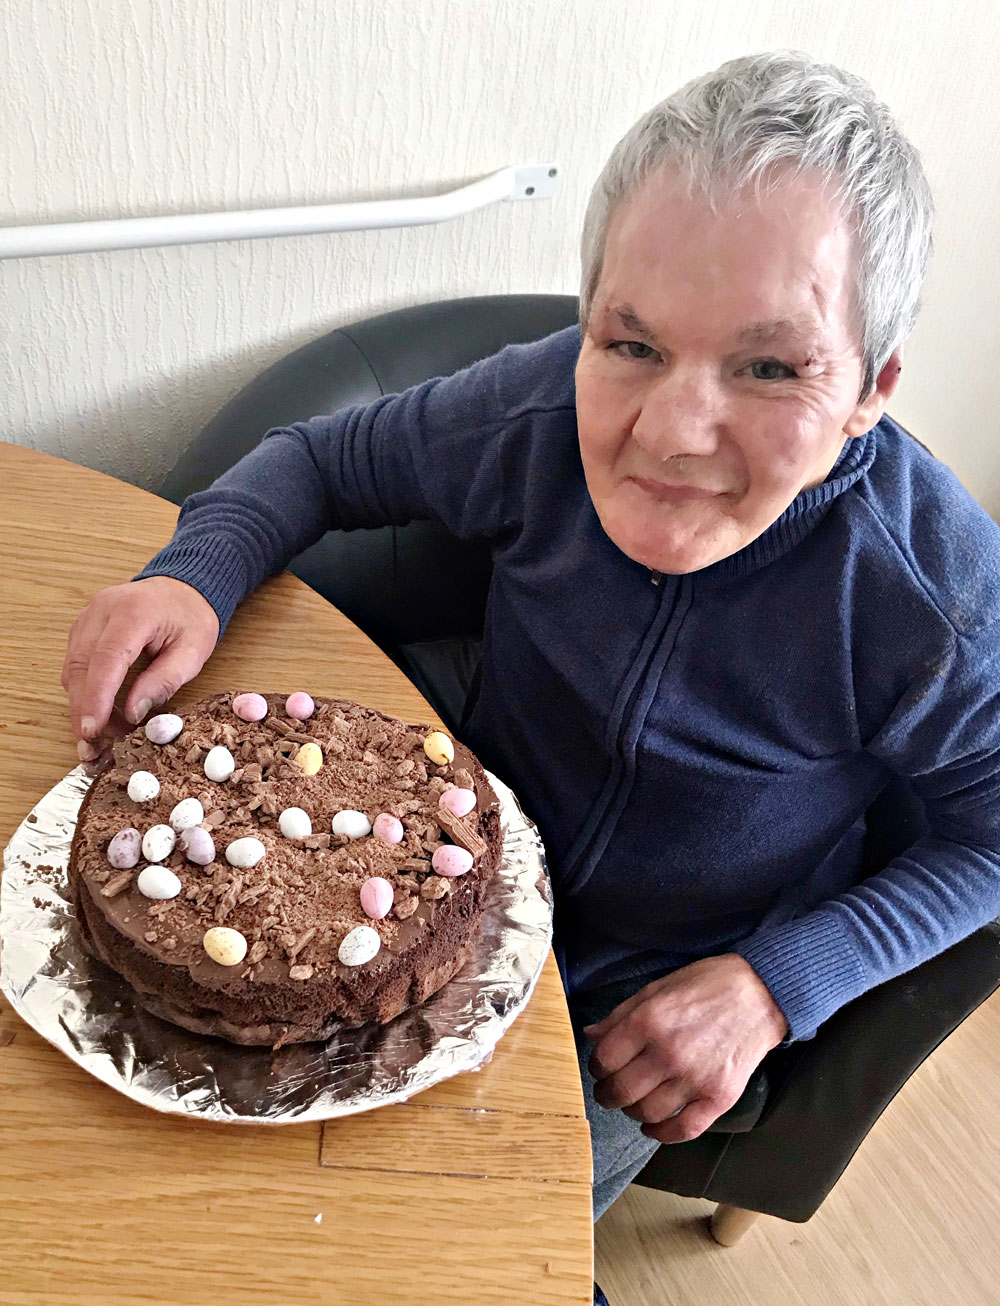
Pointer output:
772, 1020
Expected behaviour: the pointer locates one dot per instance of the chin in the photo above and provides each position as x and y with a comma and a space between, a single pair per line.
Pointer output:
673, 552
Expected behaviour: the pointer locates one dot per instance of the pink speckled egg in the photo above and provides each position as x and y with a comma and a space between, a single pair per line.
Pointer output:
388, 828
124, 849
376, 897
459, 802
198, 845
250, 707
300, 706
450, 860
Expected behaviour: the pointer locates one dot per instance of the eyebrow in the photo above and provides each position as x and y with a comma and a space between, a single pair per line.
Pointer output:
797, 329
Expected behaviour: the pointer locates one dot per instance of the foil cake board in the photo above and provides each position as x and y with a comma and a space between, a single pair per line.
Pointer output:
92, 1015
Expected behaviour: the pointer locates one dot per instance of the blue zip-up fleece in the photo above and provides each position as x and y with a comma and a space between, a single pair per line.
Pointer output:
699, 750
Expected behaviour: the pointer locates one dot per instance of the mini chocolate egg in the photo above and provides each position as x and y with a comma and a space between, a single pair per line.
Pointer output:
459, 802
197, 845
163, 728
227, 947
388, 828
309, 758
294, 823
158, 842
245, 852
124, 849
439, 748
359, 946
250, 707
450, 860
376, 897
143, 787
158, 882
354, 824
188, 812
220, 763
300, 706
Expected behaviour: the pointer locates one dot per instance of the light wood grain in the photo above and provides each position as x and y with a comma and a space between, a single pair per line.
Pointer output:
912, 1222
105, 1202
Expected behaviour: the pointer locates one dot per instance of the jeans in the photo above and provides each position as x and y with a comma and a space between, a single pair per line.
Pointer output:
619, 1146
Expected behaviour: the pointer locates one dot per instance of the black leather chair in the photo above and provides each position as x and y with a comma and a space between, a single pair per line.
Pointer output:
807, 1108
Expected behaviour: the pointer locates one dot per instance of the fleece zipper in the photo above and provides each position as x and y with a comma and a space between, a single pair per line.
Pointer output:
625, 725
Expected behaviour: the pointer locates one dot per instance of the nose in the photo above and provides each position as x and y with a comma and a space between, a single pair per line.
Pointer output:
681, 415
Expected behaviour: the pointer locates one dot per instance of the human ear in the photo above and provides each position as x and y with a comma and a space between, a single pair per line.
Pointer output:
868, 413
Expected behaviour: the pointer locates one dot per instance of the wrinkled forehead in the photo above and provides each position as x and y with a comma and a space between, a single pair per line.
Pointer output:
786, 249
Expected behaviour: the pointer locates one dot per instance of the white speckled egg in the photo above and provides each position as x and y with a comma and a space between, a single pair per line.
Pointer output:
158, 882
294, 823
143, 787
227, 947
188, 812
198, 845
359, 946
124, 849
354, 824
220, 763
245, 852
163, 728
158, 842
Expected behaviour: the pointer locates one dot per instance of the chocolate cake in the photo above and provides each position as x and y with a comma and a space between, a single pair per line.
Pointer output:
272, 880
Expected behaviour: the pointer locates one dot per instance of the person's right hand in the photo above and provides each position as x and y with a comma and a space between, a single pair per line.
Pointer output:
163, 617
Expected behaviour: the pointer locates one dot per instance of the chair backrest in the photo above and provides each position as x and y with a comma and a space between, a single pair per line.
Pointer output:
378, 578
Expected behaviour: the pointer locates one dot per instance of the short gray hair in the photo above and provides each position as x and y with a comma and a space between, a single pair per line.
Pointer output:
729, 127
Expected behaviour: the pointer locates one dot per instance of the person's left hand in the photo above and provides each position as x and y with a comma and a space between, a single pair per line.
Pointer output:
678, 1054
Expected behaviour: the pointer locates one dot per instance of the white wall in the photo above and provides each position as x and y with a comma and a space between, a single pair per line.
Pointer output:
112, 109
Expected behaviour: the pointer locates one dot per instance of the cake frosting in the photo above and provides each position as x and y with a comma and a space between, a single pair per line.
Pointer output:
269, 874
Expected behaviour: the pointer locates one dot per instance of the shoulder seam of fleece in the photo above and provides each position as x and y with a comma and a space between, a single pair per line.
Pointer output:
866, 503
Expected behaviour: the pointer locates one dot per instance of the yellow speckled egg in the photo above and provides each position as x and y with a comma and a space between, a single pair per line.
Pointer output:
439, 748
309, 758
227, 947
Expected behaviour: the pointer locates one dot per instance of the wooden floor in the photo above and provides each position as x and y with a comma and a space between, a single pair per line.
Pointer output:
913, 1222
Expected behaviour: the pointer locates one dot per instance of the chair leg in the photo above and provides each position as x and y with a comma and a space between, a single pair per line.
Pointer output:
728, 1224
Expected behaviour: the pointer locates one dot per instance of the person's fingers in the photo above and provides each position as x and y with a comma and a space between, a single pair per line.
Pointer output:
175, 666
642, 1076
76, 662
601, 1027
691, 1121
115, 649
617, 1048
662, 1102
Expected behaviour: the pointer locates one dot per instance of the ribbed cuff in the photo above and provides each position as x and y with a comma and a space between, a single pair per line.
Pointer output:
215, 568
809, 967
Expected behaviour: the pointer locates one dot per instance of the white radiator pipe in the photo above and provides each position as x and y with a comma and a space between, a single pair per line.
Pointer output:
512, 183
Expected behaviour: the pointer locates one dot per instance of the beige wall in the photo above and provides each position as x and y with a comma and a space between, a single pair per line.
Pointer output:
113, 109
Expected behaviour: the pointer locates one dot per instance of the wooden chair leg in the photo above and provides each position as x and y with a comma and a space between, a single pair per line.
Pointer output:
729, 1223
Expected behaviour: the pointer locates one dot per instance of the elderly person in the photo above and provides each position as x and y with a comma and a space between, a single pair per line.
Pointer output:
730, 598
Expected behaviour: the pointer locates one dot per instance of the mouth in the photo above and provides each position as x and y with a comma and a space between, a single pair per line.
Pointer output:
665, 492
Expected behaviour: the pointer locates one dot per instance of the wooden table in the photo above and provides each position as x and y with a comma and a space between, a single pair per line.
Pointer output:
476, 1191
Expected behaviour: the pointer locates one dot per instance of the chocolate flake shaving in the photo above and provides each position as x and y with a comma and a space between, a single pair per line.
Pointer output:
115, 885
463, 831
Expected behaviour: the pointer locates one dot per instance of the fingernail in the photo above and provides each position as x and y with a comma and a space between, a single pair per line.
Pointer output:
86, 752
88, 726
140, 710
